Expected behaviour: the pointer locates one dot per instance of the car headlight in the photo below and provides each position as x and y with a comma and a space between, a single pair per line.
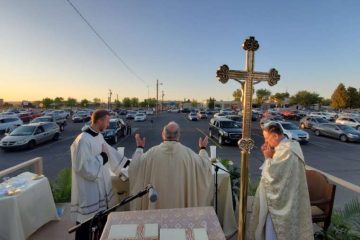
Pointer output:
22, 141
352, 135
225, 133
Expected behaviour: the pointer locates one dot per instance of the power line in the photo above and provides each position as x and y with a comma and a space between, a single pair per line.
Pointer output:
105, 43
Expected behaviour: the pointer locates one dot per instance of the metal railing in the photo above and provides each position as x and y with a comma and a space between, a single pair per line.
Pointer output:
36, 163
338, 181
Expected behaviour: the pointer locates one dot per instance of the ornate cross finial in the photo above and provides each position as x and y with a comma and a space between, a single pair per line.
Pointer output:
223, 73
250, 44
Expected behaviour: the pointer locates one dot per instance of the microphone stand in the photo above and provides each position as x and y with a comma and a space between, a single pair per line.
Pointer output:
216, 182
101, 215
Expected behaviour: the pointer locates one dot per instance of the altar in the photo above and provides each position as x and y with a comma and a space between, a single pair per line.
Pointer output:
179, 218
225, 214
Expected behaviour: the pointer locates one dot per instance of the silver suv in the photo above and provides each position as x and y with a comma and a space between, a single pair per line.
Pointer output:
29, 135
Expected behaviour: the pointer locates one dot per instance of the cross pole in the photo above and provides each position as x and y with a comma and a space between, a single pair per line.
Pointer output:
247, 79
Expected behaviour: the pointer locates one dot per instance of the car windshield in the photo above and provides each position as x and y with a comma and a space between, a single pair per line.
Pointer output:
321, 120
229, 124
346, 128
36, 120
23, 131
357, 119
289, 126
112, 125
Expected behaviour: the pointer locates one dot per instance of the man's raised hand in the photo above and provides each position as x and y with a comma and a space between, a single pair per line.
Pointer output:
140, 142
203, 142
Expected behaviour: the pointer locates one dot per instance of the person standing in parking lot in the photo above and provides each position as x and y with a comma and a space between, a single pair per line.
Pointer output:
92, 159
128, 128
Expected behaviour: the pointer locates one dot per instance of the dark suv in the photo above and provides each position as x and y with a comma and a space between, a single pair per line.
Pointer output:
225, 130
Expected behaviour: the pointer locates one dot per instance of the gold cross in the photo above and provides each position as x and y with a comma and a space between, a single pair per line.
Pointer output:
247, 79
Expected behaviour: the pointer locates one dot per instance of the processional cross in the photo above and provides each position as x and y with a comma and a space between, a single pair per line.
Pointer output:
247, 79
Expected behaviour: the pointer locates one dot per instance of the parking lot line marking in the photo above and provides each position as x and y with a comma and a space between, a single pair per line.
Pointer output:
209, 137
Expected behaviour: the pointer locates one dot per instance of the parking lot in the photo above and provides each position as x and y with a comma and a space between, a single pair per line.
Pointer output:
329, 155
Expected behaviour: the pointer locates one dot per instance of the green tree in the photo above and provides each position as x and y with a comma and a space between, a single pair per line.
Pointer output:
262, 94
353, 95
194, 103
97, 102
134, 102
84, 103
325, 102
70, 102
339, 99
117, 103
58, 101
46, 102
237, 94
279, 98
211, 103
305, 98
127, 102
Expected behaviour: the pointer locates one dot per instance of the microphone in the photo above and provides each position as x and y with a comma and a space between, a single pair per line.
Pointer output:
152, 194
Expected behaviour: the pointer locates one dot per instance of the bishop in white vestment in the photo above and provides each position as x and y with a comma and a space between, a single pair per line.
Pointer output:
181, 177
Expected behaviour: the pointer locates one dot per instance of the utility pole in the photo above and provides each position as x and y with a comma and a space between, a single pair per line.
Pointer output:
157, 97
162, 100
109, 104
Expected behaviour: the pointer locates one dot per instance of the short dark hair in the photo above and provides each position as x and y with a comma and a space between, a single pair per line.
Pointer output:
99, 114
273, 127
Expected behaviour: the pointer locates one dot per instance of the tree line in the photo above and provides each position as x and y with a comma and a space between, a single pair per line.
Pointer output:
126, 102
341, 98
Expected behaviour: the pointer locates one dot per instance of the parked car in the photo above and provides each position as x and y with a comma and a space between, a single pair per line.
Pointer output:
324, 115
342, 132
174, 110
140, 117
291, 131
81, 116
61, 113
114, 131
130, 115
349, 121
122, 112
193, 116
25, 117
9, 123
48, 111
185, 110
292, 114
236, 118
29, 135
224, 130
59, 121
202, 115
270, 118
227, 111
310, 122
220, 115
149, 112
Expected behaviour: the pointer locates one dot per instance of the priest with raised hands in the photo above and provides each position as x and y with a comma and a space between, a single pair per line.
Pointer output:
181, 177
92, 159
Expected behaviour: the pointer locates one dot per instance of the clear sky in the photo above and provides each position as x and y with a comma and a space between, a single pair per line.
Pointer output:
46, 50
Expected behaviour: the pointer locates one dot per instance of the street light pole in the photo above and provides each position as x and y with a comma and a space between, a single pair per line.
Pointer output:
157, 97
162, 100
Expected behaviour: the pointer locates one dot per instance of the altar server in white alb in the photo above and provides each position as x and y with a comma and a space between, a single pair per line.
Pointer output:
92, 159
